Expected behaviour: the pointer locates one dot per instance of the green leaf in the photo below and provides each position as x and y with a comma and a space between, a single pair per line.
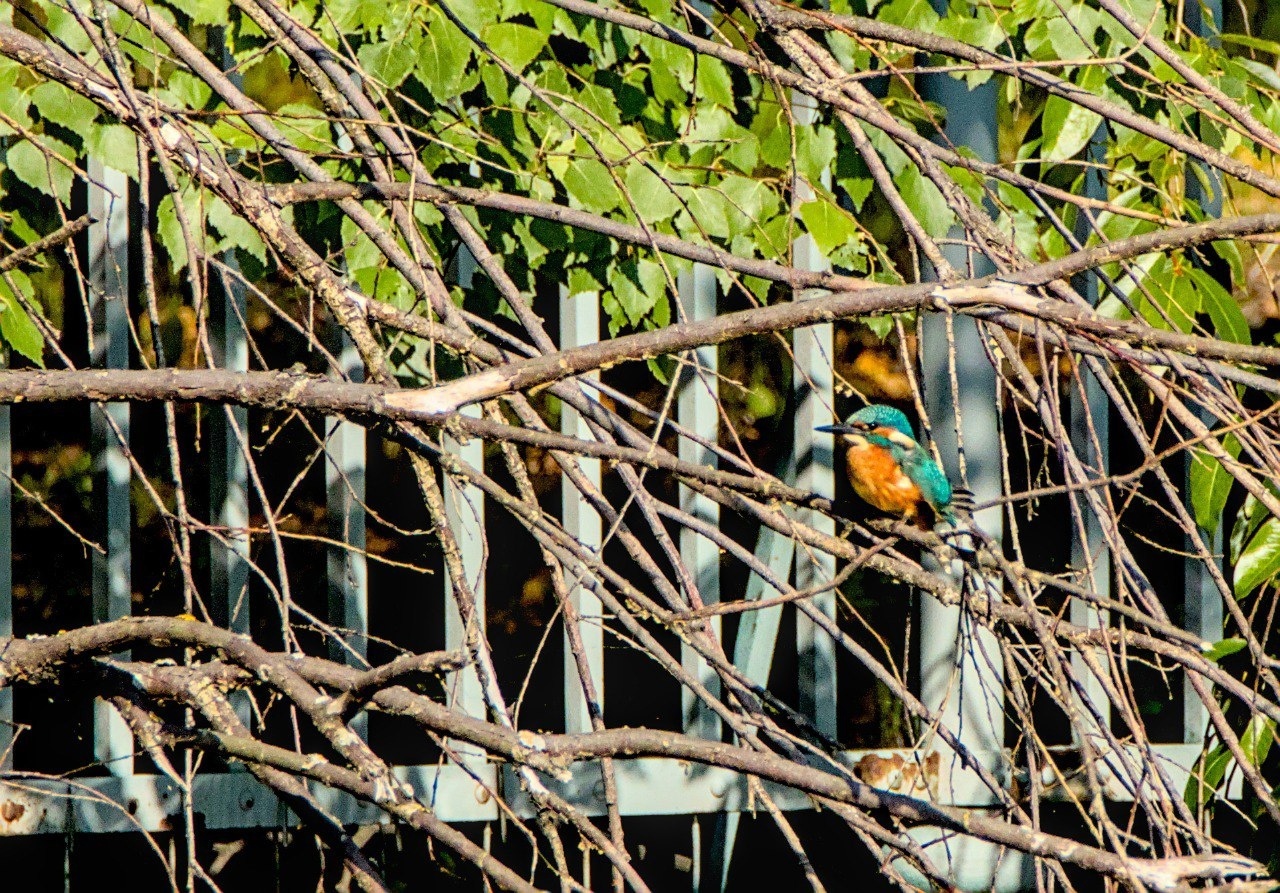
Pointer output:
1253, 43
1206, 776
590, 186
830, 226
880, 326
443, 53
169, 231
749, 202
117, 143
477, 14
1257, 739
1170, 299
358, 250
670, 70
1218, 650
637, 286
1262, 74
582, 284
357, 15
1058, 36
1067, 129
21, 333
58, 104
917, 14
48, 175
977, 26
925, 201
1251, 516
16, 327
652, 197
518, 45
14, 101
1260, 560
714, 82
710, 213
895, 159
663, 368
235, 230
815, 151
202, 12
186, 90
715, 137
1230, 252
306, 127
390, 61
772, 128
1228, 321
1211, 484
600, 102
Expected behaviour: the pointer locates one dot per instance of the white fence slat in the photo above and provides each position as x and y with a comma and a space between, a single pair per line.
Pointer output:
580, 325
813, 390
108, 239
698, 410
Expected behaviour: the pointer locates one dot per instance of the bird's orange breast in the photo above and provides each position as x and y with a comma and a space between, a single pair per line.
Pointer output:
878, 479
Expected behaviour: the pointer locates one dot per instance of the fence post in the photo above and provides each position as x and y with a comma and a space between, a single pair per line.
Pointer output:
229, 471
964, 416
698, 411
1089, 417
961, 666
1202, 601
580, 325
464, 511
346, 564
228, 449
812, 389
108, 288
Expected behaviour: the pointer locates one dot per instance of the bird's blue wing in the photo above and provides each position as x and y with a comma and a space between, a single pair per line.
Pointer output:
931, 480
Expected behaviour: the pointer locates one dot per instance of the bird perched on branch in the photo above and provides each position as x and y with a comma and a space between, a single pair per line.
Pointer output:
892, 471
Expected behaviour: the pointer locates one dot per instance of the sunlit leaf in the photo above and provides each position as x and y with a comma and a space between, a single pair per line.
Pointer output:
40, 170
517, 45
925, 201
1260, 560
1224, 648
829, 225
16, 326
1211, 484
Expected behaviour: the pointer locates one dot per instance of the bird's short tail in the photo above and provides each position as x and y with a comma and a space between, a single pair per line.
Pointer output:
962, 503
957, 522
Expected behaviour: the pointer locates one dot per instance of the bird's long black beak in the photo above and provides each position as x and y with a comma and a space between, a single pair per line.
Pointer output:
837, 429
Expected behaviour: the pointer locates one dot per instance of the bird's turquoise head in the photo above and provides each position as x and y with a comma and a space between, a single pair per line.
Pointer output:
877, 415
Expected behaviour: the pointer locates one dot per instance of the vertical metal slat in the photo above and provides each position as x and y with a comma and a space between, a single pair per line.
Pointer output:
698, 411
812, 386
580, 325
346, 564
229, 474
109, 424
961, 666
1089, 415
464, 511
753, 650
1202, 602
971, 701
228, 447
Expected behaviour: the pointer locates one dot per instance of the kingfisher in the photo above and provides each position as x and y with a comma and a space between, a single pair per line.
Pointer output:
890, 469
